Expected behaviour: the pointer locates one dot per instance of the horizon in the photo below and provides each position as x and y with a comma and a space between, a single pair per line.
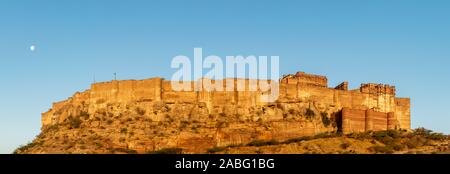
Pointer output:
50, 50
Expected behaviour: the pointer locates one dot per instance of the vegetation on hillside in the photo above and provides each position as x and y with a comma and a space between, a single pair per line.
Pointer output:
419, 140
383, 142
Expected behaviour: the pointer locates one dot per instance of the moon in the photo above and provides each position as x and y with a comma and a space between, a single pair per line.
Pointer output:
32, 47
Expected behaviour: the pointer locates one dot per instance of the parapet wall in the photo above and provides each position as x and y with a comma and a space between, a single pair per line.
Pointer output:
343, 86
372, 88
127, 90
305, 79
157, 89
311, 79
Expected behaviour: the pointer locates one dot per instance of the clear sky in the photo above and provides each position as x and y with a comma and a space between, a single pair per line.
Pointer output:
405, 43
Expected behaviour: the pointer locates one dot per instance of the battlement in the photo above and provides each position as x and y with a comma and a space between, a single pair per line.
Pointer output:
371, 88
305, 79
343, 86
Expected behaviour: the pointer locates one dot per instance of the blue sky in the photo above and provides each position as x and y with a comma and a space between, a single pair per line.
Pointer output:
404, 42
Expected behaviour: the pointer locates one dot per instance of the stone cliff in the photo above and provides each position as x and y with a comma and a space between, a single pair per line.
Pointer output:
147, 115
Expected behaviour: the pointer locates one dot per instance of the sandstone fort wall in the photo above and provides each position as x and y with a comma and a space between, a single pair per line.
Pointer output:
372, 107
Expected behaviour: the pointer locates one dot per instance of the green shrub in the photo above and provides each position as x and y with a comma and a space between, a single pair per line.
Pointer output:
25, 147
260, 120
379, 135
306, 138
387, 140
394, 134
222, 114
334, 124
140, 111
411, 143
84, 115
122, 150
183, 124
360, 136
74, 122
325, 120
326, 135
216, 149
416, 141
296, 140
122, 140
168, 151
310, 113
397, 146
263, 143
168, 118
221, 124
382, 149
345, 145
235, 145
292, 111
123, 130
436, 136
422, 131
51, 128
391, 138
99, 145
428, 134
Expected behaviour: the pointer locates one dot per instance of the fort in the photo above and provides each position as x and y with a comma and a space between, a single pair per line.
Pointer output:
304, 104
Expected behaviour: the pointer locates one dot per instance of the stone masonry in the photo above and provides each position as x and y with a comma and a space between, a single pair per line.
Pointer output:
233, 117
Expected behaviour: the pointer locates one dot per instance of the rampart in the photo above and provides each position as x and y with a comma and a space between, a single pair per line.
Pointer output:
372, 107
